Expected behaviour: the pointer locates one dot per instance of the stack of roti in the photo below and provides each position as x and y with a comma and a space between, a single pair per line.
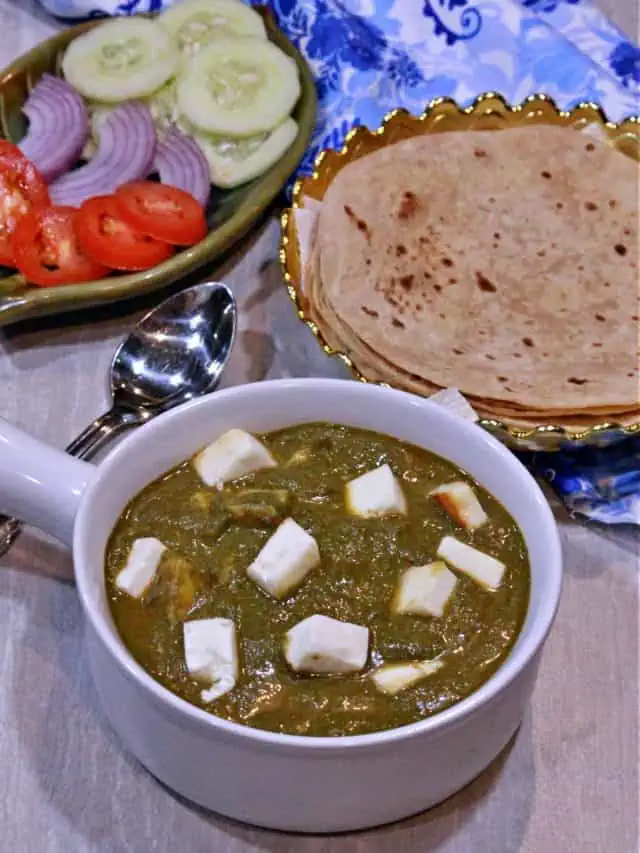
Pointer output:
504, 264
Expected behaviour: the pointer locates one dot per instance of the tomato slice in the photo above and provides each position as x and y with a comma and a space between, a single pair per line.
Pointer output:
108, 239
47, 252
21, 190
163, 212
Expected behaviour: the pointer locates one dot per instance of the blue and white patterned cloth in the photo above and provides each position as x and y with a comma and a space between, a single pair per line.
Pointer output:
371, 56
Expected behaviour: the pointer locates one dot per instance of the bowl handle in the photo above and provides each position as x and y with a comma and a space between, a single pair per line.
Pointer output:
39, 484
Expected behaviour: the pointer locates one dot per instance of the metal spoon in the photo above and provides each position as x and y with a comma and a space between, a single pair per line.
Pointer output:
175, 353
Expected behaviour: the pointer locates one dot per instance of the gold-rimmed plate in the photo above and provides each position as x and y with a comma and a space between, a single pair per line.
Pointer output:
230, 215
488, 112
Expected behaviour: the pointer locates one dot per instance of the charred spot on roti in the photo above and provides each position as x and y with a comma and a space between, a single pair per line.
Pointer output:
528, 342
369, 311
600, 318
437, 288
408, 205
589, 146
575, 381
447, 262
457, 351
453, 281
479, 153
397, 323
597, 344
497, 235
541, 253
621, 249
400, 250
590, 205
406, 282
361, 225
546, 174
489, 356
484, 283
559, 205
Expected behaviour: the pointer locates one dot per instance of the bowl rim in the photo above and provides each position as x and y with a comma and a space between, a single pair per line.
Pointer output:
516, 662
586, 111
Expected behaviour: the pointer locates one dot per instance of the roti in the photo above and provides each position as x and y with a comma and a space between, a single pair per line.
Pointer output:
501, 263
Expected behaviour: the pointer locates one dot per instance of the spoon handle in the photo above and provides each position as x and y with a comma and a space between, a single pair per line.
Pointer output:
85, 446
92, 439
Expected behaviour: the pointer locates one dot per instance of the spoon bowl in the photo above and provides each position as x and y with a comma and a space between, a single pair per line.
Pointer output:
177, 351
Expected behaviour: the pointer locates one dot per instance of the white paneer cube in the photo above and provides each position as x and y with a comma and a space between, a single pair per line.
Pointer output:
485, 570
462, 504
320, 644
235, 454
141, 567
425, 590
283, 563
375, 493
391, 678
211, 654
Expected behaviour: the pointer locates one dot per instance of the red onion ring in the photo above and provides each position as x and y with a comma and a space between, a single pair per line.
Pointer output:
58, 127
126, 148
180, 163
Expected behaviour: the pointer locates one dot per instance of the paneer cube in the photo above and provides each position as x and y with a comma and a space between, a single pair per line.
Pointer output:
283, 563
320, 644
141, 567
425, 590
462, 504
375, 493
391, 678
235, 454
485, 570
211, 655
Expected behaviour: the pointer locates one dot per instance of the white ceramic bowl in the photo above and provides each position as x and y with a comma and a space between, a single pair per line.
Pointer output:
283, 781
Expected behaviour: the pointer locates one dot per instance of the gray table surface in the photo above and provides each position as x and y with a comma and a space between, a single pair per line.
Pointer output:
569, 782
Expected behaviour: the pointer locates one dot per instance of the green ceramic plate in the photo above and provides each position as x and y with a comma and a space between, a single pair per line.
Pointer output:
231, 212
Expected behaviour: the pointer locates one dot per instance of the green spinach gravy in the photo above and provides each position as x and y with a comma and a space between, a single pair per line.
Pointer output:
212, 535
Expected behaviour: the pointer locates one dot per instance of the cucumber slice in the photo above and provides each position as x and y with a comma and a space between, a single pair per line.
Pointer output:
235, 161
194, 23
122, 59
238, 87
98, 112
163, 106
